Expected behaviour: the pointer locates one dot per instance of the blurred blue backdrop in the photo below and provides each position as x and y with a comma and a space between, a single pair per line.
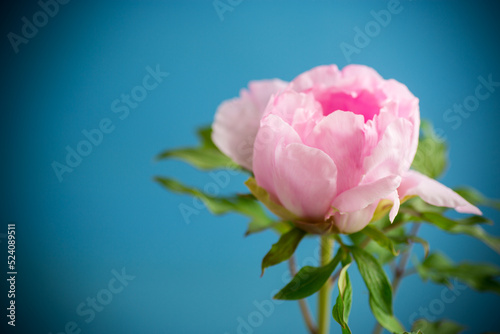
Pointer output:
75, 237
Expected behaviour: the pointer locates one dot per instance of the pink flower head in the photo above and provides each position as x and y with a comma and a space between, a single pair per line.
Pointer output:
332, 145
237, 120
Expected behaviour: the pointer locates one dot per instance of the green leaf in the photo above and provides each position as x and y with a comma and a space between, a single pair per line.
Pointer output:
309, 279
262, 195
283, 249
205, 157
388, 321
202, 158
431, 157
375, 279
342, 307
439, 269
438, 327
205, 136
244, 204
463, 226
357, 238
475, 197
259, 225
380, 238
382, 254
379, 288
474, 220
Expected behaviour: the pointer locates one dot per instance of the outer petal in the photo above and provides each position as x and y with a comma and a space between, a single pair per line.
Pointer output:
407, 107
351, 78
305, 180
273, 132
318, 77
354, 221
364, 195
389, 156
234, 129
362, 77
396, 91
433, 192
260, 91
341, 136
395, 205
237, 120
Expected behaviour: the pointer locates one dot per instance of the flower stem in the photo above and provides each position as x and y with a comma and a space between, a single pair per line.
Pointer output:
326, 250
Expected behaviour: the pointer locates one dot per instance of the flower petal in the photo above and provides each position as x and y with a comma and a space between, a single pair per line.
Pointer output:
389, 156
433, 192
305, 180
318, 77
237, 120
352, 222
361, 77
395, 205
360, 197
261, 90
341, 136
396, 91
407, 107
273, 132
300, 110
351, 78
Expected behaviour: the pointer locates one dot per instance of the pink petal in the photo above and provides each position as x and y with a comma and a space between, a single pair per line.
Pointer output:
341, 136
273, 132
318, 77
260, 91
396, 91
354, 221
433, 192
395, 206
236, 123
362, 77
351, 78
389, 157
360, 197
305, 180
237, 120
407, 107
299, 110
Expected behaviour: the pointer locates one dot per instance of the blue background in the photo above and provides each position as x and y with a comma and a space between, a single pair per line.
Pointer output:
108, 214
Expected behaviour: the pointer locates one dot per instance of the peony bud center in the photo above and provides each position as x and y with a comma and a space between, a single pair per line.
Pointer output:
362, 103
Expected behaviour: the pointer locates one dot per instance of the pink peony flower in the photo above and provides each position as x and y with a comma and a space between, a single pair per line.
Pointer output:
237, 120
331, 146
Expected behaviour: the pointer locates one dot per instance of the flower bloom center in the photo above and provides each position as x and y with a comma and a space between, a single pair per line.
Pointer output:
361, 103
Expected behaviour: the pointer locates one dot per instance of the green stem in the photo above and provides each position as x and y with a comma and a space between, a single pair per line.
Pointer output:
325, 292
